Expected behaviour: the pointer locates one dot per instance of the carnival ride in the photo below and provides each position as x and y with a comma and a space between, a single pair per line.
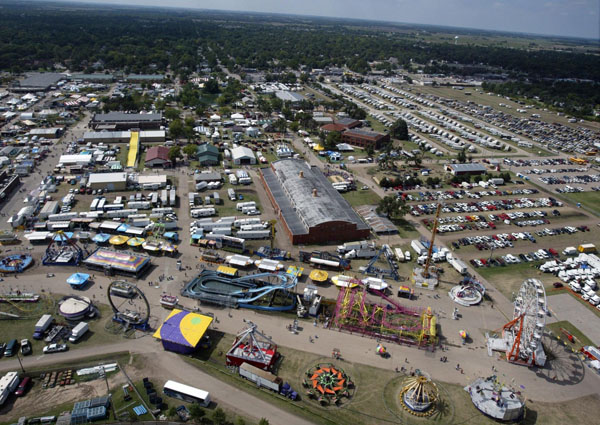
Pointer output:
388, 321
427, 277
324, 259
74, 307
253, 347
328, 384
318, 276
388, 254
261, 291
495, 400
419, 395
522, 336
129, 305
63, 250
468, 293
16, 263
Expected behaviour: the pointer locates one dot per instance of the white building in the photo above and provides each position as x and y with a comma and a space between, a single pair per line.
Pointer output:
243, 155
75, 159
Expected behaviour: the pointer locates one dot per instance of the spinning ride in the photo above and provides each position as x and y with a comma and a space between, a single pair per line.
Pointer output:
419, 395
15, 263
129, 304
328, 384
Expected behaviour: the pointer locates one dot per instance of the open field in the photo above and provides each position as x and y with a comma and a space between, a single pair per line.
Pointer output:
591, 200
361, 197
580, 339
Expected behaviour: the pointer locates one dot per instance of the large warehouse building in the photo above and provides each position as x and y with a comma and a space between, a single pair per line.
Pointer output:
122, 121
308, 206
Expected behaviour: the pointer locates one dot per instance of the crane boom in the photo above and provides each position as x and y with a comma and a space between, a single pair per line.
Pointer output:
433, 233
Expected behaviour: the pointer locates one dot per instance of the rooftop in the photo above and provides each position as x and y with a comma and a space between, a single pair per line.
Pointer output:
122, 116
157, 152
289, 96
467, 167
292, 182
364, 133
41, 80
208, 149
107, 177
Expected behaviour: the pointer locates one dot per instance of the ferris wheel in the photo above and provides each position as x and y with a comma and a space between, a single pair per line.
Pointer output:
524, 333
129, 304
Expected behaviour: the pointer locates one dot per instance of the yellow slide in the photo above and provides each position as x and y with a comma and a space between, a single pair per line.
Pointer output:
134, 144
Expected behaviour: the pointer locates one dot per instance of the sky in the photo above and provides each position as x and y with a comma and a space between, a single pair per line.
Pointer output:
573, 18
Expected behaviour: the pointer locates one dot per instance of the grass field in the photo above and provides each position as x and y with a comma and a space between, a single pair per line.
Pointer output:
590, 200
580, 339
361, 197
508, 279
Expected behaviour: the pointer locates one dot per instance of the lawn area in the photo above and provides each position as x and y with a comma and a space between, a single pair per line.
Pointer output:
590, 200
361, 197
23, 328
376, 398
508, 279
580, 339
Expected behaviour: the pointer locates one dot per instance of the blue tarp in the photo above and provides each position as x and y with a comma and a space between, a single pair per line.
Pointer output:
78, 279
171, 235
101, 238
140, 410
64, 236
123, 228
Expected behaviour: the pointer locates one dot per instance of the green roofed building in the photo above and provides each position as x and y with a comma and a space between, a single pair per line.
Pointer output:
208, 154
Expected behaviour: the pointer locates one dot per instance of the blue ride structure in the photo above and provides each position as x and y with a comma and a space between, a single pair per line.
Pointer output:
261, 291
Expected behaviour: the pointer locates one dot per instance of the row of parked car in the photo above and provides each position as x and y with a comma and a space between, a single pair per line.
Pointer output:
10, 348
541, 254
483, 206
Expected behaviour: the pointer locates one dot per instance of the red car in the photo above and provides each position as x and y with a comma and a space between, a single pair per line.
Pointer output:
23, 387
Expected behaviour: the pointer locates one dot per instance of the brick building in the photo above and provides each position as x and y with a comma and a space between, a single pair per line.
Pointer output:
309, 208
364, 138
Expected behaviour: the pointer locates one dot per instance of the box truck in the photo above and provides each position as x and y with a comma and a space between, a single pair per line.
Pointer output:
78, 331
42, 325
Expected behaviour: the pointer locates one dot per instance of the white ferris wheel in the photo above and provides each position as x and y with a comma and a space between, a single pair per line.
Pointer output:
526, 330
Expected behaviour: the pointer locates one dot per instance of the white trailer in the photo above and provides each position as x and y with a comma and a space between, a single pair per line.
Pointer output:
222, 231
458, 265
240, 205
233, 179
216, 198
399, 254
246, 221
8, 384
418, 247
201, 186
78, 331
231, 193
254, 234
140, 205
361, 253
349, 246
120, 213
172, 197
260, 377
202, 212
63, 216
167, 210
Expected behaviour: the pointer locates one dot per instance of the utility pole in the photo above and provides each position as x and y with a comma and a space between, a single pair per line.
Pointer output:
20, 363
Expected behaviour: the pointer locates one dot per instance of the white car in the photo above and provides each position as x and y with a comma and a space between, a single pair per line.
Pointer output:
55, 348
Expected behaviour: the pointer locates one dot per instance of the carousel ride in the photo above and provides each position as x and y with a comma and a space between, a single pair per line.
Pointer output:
16, 263
129, 304
495, 400
328, 384
522, 337
419, 394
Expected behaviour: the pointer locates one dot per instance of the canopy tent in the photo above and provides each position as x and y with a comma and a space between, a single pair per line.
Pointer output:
78, 280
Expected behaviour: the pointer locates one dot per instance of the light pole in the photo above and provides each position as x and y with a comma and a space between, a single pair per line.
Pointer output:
21, 364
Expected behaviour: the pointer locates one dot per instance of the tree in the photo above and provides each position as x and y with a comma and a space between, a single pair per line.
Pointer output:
172, 114
263, 421
280, 125
399, 129
196, 412
370, 150
172, 412
294, 126
461, 157
190, 150
332, 140
219, 416
174, 153
392, 206
176, 128
240, 421
211, 87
